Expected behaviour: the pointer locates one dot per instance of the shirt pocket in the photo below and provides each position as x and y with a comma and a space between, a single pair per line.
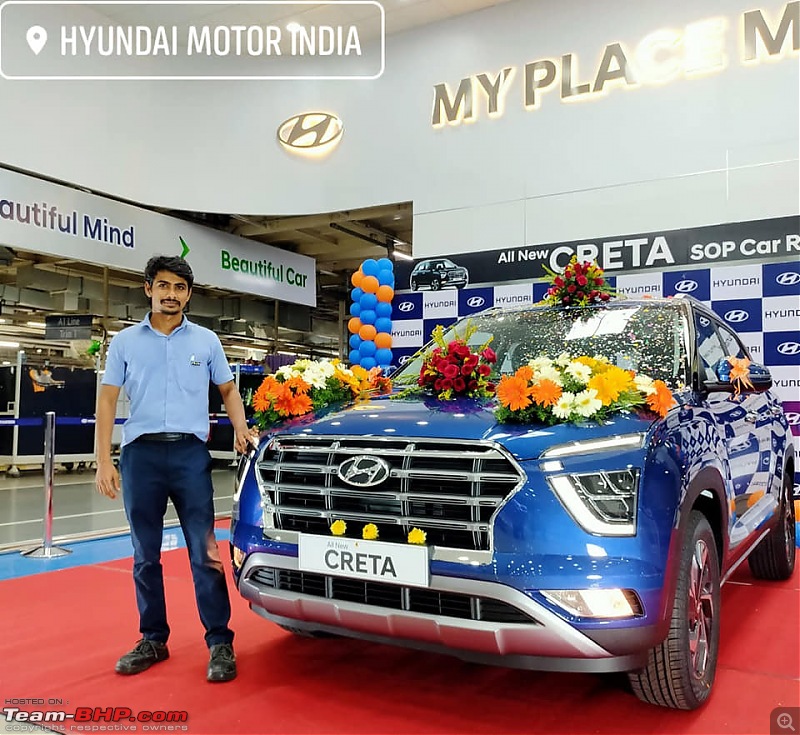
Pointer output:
193, 375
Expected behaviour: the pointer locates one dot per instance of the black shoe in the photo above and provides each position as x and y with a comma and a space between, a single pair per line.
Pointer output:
222, 663
142, 657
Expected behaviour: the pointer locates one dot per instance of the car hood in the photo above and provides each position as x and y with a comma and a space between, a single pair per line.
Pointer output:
465, 419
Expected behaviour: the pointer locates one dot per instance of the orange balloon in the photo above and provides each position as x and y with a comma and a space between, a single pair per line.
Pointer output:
385, 294
369, 284
383, 340
354, 325
356, 278
367, 331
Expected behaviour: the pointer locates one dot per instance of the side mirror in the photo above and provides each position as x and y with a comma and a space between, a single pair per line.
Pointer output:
759, 377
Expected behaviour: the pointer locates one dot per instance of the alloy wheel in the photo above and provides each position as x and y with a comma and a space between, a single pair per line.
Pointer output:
700, 610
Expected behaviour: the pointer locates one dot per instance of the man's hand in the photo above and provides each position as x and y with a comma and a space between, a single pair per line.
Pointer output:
245, 440
106, 479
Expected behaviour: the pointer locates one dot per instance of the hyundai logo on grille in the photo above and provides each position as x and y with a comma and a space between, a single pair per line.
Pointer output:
364, 470
686, 286
315, 131
405, 306
789, 348
475, 301
793, 417
788, 279
736, 315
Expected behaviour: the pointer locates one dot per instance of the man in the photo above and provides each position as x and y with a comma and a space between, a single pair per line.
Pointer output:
165, 363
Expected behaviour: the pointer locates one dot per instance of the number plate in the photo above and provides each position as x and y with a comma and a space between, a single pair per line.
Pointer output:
374, 561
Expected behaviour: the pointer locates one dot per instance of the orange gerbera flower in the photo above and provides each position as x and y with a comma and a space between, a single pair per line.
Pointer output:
662, 400
265, 394
525, 372
546, 392
301, 403
297, 384
284, 401
513, 392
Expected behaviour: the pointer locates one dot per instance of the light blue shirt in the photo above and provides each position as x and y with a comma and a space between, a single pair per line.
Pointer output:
166, 377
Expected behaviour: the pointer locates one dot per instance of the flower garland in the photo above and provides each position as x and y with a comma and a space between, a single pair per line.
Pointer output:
309, 385
575, 389
453, 370
581, 284
370, 532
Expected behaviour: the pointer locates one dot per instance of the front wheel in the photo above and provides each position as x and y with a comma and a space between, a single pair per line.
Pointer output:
680, 671
774, 557
436, 284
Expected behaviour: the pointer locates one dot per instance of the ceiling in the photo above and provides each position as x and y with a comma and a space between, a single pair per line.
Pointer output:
34, 285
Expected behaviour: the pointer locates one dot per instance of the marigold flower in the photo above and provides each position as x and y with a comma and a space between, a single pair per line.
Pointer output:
525, 372
417, 536
338, 528
513, 393
610, 383
662, 400
369, 532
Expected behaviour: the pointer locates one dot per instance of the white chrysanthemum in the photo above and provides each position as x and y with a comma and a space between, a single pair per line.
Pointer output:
315, 377
644, 383
563, 359
540, 363
563, 407
587, 403
287, 371
550, 373
579, 372
326, 367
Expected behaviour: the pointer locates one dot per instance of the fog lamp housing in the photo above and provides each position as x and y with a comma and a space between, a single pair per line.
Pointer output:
597, 603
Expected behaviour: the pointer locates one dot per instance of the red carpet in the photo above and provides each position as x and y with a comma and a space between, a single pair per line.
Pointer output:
64, 630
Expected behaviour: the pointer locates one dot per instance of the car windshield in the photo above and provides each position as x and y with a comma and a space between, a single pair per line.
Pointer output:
647, 338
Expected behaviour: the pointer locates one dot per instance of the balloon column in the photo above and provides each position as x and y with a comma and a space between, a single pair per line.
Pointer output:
370, 322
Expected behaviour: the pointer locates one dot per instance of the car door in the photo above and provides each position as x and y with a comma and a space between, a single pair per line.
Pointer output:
739, 421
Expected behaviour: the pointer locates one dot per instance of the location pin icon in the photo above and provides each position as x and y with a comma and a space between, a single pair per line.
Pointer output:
37, 38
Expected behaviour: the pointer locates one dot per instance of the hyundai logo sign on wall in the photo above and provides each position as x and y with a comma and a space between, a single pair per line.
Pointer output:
404, 359
793, 417
475, 302
405, 306
789, 348
686, 286
311, 132
788, 279
736, 315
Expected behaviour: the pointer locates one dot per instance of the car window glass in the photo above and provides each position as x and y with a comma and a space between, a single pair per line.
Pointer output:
732, 346
709, 346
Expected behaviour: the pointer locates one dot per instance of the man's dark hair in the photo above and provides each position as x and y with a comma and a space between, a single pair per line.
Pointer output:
171, 263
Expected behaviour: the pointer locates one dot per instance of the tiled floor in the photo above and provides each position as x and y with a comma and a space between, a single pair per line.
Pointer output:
78, 510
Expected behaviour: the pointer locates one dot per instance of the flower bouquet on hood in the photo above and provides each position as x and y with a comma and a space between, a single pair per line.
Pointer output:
309, 385
581, 284
452, 369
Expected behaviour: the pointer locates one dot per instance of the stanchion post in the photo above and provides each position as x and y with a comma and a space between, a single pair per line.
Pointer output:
47, 550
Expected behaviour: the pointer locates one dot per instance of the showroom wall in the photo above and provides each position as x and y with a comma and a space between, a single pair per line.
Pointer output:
648, 116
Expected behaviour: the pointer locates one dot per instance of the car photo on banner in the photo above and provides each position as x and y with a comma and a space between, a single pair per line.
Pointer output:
438, 273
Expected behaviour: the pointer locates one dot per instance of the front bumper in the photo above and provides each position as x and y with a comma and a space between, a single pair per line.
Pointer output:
530, 637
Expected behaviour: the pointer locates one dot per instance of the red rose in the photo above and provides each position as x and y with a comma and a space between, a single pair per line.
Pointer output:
582, 280
565, 299
462, 351
489, 355
484, 370
450, 371
447, 384
438, 384
572, 288
467, 369
471, 361
604, 296
459, 385
472, 385
598, 281
490, 387
558, 281
578, 269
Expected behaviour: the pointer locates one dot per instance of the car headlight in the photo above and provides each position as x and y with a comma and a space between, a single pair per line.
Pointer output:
603, 503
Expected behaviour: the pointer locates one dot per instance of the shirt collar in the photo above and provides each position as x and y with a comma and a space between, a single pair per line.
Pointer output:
146, 323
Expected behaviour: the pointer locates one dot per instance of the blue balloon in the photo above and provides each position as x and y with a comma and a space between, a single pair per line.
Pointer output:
368, 363
370, 267
355, 308
386, 278
356, 294
367, 348
385, 264
384, 309
382, 324
368, 301
383, 356
368, 316
355, 341
355, 357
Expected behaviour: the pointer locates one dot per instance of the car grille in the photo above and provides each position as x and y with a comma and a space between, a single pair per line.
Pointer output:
450, 490
395, 597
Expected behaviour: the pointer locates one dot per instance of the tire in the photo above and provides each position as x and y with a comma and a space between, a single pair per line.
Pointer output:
774, 557
680, 670
436, 284
413, 284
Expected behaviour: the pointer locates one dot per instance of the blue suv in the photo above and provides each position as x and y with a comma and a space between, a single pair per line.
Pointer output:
593, 547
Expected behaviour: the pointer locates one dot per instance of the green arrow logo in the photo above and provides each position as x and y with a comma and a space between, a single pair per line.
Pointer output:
185, 247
